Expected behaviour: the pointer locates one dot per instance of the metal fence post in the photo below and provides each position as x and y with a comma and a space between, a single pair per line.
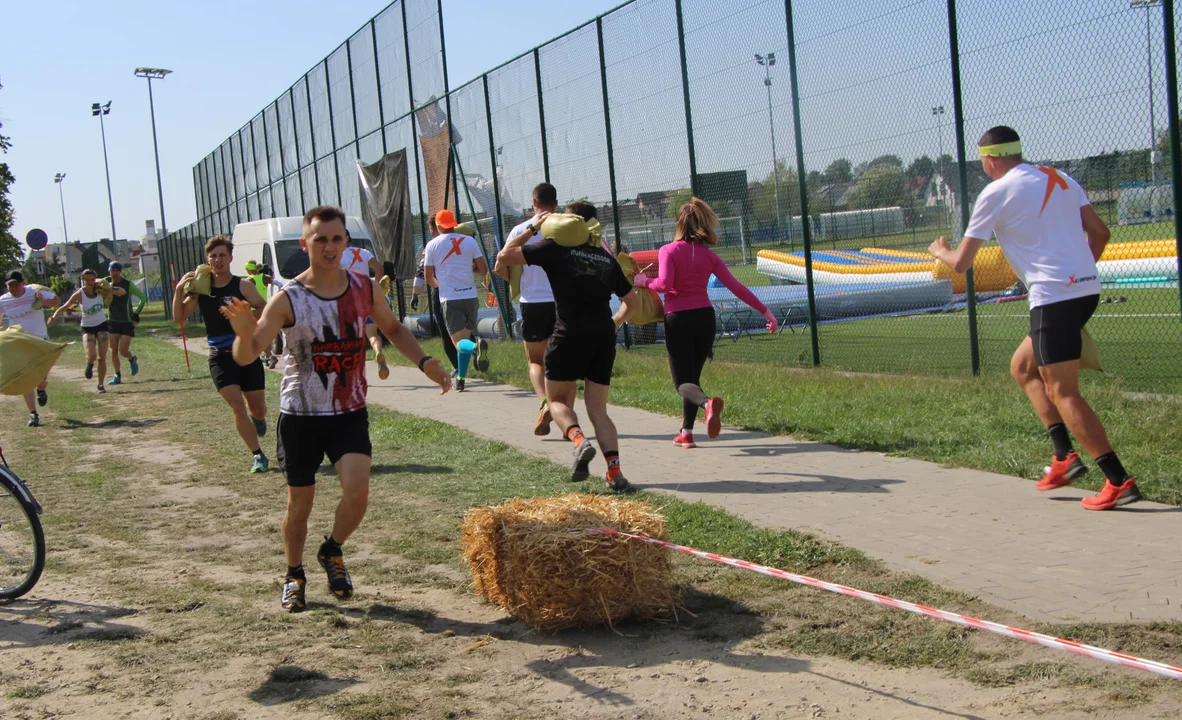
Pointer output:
502, 305
962, 177
451, 142
414, 143
542, 115
1175, 135
611, 157
685, 92
312, 137
377, 73
332, 128
353, 98
295, 134
802, 185
505, 300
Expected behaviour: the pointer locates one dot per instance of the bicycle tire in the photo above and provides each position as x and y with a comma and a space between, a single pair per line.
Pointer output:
11, 483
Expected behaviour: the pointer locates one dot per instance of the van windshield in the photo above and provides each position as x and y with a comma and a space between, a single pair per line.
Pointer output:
293, 260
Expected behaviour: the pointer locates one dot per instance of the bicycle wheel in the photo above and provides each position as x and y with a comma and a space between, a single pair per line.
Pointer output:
22, 542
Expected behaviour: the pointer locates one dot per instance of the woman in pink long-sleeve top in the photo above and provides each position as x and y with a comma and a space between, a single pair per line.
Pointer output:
685, 266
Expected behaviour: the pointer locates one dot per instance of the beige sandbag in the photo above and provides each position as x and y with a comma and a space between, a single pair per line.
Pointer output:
25, 360
567, 229
1089, 358
202, 282
36, 289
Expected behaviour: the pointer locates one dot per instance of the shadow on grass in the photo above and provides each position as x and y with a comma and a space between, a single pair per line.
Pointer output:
72, 424
292, 682
385, 469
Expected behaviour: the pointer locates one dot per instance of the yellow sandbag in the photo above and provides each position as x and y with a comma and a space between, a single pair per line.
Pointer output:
465, 229
385, 284
515, 281
649, 309
35, 289
106, 290
1090, 358
567, 229
202, 282
628, 265
25, 360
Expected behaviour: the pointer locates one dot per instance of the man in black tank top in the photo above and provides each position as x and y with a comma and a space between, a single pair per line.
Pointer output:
322, 412
243, 388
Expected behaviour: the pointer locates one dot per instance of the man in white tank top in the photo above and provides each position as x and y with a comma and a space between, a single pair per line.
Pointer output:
322, 315
95, 328
1052, 237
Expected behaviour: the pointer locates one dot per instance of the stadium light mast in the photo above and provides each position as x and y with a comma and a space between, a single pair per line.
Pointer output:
101, 111
58, 180
1147, 4
155, 74
767, 61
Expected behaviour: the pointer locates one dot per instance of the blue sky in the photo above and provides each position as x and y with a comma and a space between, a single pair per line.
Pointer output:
1070, 76
59, 57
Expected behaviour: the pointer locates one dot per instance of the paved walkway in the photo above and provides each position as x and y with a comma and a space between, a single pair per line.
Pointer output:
990, 535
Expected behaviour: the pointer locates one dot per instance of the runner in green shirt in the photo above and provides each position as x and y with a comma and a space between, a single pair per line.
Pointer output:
123, 320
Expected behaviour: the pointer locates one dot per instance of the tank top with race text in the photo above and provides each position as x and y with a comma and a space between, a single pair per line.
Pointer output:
324, 361
93, 310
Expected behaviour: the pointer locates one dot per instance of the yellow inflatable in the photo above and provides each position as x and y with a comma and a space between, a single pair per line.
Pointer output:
25, 360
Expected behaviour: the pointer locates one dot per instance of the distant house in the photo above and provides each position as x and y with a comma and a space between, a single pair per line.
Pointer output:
76, 257
836, 196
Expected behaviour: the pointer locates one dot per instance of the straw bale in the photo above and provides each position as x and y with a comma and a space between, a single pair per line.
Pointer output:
536, 558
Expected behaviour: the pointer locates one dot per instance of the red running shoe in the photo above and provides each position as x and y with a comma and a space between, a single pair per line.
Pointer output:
1113, 495
713, 417
1062, 472
685, 440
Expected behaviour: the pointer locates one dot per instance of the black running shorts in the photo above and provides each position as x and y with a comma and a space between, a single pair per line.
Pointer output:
586, 356
226, 372
303, 441
537, 321
1055, 329
122, 328
101, 329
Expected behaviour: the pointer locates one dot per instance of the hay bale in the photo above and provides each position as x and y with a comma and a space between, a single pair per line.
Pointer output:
536, 559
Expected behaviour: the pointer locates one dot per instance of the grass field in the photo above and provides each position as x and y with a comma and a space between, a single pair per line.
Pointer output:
161, 590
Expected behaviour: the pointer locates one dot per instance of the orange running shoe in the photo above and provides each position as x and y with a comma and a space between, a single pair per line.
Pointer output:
542, 426
1062, 472
1113, 495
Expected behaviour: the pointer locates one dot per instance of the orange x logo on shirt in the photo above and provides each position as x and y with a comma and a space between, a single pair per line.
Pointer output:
455, 249
1053, 181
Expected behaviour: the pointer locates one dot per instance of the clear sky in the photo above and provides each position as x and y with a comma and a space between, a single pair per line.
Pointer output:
1072, 76
228, 59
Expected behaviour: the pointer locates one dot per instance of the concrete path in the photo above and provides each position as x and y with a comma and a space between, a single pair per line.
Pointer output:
990, 535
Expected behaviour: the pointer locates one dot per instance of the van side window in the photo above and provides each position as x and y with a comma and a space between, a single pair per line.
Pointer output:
267, 258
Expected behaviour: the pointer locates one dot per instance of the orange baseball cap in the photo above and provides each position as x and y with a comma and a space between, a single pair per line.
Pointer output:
445, 219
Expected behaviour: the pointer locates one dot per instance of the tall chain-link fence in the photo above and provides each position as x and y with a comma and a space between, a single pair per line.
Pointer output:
835, 141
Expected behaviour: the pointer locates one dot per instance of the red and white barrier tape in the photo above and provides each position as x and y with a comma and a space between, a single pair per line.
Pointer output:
1070, 646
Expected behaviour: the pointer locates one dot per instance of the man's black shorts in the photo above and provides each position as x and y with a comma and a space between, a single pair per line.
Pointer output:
537, 321
303, 441
587, 356
225, 372
103, 327
122, 328
1055, 329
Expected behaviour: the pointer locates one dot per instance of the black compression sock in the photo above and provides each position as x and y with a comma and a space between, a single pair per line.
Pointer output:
256, 452
1061, 440
1113, 470
331, 544
296, 572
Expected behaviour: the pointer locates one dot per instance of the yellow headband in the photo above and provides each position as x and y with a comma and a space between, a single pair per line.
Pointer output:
1001, 149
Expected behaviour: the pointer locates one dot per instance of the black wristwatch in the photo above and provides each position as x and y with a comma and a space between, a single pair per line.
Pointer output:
533, 230
425, 359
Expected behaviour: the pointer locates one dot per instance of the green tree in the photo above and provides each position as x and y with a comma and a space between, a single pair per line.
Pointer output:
892, 161
881, 186
10, 249
921, 167
839, 171
763, 194
677, 198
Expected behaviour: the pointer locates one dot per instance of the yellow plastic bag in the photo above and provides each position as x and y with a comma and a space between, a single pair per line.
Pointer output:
1089, 358
202, 282
36, 290
25, 360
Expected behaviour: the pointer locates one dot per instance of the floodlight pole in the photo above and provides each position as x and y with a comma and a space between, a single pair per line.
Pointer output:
156, 74
100, 111
1147, 4
58, 180
767, 61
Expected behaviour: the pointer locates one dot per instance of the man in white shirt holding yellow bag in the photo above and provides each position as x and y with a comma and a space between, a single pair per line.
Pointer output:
26, 307
1052, 237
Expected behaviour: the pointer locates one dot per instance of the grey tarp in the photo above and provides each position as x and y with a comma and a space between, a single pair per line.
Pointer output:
385, 207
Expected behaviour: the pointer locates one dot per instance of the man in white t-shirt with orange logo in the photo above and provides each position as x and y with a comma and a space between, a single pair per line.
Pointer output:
358, 260
452, 261
1052, 238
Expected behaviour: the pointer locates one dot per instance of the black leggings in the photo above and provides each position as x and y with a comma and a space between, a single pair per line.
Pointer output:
689, 340
449, 347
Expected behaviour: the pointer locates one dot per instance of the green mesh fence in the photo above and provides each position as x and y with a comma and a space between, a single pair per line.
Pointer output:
658, 100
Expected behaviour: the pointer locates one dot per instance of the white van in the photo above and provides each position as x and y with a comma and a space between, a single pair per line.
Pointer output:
276, 242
